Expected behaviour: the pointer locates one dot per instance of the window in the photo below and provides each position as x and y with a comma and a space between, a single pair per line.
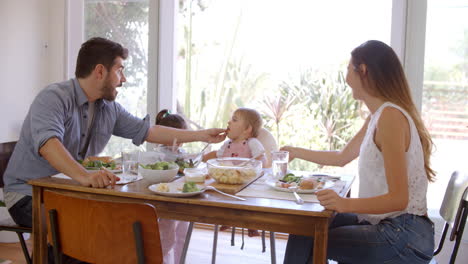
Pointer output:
286, 59
126, 22
445, 91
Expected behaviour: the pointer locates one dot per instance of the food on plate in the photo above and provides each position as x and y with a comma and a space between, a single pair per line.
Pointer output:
163, 187
95, 163
160, 165
290, 177
190, 187
290, 180
309, 184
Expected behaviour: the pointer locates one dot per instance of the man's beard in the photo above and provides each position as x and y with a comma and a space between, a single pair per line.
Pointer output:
108, 91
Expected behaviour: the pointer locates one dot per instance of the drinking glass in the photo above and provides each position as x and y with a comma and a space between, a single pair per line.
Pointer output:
279, 165
129, 164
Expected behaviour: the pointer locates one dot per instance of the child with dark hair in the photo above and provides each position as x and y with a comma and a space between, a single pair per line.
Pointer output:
165, 118
172, 231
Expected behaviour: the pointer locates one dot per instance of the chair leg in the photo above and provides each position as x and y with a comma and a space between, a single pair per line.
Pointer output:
186, 244
272, 247
24, 247
215, 244
442, 239
263, 241
233, 233
55, 239
138, 234
459, 232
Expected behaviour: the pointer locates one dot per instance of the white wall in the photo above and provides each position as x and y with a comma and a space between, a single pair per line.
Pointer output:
29, 59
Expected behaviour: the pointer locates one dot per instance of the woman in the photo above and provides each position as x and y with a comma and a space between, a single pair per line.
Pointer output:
388, 223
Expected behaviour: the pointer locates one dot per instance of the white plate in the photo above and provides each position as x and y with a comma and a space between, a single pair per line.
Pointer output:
175, 190
127, 179
328, 184
97, 169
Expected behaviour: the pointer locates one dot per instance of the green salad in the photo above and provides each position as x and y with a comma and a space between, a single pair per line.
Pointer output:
184, 164
290, 177
190, 187
97, 164
160, 165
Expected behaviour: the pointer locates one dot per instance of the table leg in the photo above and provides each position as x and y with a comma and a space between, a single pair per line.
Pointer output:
320, 242
39, 228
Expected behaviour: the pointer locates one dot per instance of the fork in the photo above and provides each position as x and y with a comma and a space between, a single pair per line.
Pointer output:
298, 198
209, 187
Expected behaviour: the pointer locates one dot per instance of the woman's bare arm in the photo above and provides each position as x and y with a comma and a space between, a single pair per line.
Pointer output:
331, 158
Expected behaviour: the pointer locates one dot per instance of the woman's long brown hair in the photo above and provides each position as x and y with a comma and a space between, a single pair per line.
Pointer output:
387, 80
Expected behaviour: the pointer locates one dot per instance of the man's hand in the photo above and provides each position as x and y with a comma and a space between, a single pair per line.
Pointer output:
99, 179
331, 200
213, 135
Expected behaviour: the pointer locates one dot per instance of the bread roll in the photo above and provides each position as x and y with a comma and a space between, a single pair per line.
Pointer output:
308, 184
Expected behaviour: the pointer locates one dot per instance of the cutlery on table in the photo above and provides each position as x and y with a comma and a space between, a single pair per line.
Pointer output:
250, 160
298, 198
208, 187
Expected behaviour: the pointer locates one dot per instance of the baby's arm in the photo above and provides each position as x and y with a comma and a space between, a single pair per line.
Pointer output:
215, 153
257, 150
209, 155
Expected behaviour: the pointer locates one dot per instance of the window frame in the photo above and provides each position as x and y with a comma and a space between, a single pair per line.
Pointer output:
407, 39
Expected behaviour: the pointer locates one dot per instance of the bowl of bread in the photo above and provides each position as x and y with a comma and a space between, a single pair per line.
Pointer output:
233, 170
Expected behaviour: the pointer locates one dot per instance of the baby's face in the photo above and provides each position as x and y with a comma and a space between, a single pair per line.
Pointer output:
236, 127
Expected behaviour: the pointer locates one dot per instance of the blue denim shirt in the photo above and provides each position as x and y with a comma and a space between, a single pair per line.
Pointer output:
60, 110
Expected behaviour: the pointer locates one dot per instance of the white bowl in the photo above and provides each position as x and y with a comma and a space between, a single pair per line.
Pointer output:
158, 176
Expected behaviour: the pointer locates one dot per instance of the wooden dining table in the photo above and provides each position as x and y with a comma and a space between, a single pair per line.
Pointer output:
308, 219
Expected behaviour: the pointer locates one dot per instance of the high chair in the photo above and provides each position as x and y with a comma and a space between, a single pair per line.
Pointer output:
454, 211
102, 231
269, 144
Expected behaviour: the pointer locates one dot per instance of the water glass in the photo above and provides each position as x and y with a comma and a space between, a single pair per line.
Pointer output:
129, 164
279, 165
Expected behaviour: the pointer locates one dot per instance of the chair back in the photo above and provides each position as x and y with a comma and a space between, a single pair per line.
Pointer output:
6, 150
102, 231
269, 144
453, 195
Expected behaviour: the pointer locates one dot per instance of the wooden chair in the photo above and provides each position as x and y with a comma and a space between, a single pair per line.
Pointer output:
102, 231
454, 211
6, 149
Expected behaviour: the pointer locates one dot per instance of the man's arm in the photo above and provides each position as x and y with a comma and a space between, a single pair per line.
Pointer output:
59, 158
167, 135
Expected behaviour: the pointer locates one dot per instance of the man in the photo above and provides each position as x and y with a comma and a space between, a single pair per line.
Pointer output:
71, 120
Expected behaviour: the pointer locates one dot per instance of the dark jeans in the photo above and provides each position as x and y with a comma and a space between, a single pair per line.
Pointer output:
21, 213
404, 239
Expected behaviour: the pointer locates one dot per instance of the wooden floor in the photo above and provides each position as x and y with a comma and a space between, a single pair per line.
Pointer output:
199, 250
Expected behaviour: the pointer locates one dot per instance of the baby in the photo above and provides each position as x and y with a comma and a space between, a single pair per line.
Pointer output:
172, 232
242, 131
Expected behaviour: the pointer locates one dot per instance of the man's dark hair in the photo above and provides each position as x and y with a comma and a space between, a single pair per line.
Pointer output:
98, 51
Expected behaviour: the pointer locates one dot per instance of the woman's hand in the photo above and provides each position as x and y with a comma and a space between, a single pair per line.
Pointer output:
332, 201
213, 135
291, 150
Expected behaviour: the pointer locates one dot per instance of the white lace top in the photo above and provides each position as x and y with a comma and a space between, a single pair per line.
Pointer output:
372, 171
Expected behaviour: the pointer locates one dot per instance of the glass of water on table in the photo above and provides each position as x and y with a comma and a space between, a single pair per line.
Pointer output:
279, 164
129, 165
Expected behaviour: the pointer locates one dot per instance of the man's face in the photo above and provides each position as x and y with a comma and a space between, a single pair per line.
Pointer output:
114, 78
